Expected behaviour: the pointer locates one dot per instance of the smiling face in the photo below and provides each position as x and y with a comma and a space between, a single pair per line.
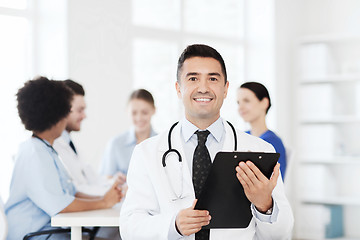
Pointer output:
141, 112
250, 107
202, 89
77, 113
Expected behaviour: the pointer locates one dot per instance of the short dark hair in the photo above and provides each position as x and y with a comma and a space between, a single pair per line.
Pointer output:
142, 94
76, 87
200, 50
42, 103
260, 91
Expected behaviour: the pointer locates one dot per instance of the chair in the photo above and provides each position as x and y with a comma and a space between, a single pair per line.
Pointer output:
4, 228
91, 232
3, 222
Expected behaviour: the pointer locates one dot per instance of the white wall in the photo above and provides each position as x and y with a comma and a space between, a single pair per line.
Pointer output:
287, 25
295, 19
100, 39
100, 59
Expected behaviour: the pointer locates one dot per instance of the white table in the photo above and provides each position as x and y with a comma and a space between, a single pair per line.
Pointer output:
95, 218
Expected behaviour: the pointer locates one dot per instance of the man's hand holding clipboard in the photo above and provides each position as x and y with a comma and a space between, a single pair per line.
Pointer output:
236, 180
257, 187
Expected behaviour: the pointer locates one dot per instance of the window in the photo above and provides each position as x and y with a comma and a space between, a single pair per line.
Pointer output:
32, 42
162, 29
13, 4
15, 50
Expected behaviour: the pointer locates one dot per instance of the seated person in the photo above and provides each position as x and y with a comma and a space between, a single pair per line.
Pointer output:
40, 186
85, 179
254, 102
119, 150
3, 222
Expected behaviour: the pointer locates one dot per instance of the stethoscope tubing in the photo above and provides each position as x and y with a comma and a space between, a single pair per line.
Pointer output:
173, 150
170, 150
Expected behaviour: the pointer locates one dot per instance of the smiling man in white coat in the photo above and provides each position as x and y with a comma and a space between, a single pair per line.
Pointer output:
160, 200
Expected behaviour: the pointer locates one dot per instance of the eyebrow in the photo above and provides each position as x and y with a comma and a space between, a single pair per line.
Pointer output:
214, 74
197, 74
192, 74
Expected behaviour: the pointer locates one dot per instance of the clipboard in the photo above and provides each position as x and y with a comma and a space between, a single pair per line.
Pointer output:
223, 195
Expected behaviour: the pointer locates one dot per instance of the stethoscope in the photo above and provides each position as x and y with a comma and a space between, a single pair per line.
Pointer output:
179, 194
69, 178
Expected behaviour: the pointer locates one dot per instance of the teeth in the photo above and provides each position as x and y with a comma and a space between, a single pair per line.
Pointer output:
202, 99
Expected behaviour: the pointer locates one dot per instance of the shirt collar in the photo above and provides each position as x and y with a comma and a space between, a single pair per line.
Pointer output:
66, 136
131, 137
216, 129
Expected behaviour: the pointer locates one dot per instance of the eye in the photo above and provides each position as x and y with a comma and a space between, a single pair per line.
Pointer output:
213, 79
192, 79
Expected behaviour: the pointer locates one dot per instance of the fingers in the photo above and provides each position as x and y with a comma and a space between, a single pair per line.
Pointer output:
198, 219
115, 192
115, 184
194, 203
190, 221
191, 224
246, 174
239, 176
251, 173
121, 177
259, 175
196, 215
275, 176
257, 187
118, 185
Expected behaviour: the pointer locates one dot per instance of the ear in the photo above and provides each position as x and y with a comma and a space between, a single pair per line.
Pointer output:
265, 103
178, 90
226, 89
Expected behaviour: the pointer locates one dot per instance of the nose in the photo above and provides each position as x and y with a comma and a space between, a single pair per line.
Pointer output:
136, 117
240, 106
203, 86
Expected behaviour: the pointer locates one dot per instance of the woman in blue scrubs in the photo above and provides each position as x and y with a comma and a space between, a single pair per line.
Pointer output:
254, 102
40, 186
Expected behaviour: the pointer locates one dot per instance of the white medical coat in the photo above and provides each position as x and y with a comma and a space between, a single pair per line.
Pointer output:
83, 176
149, 210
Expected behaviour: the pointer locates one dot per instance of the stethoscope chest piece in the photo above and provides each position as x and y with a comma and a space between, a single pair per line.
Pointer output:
169, 153
173, 167
171, 150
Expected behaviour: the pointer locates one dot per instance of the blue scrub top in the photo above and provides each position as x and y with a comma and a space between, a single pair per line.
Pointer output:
40, 188
118, 153
273, 139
